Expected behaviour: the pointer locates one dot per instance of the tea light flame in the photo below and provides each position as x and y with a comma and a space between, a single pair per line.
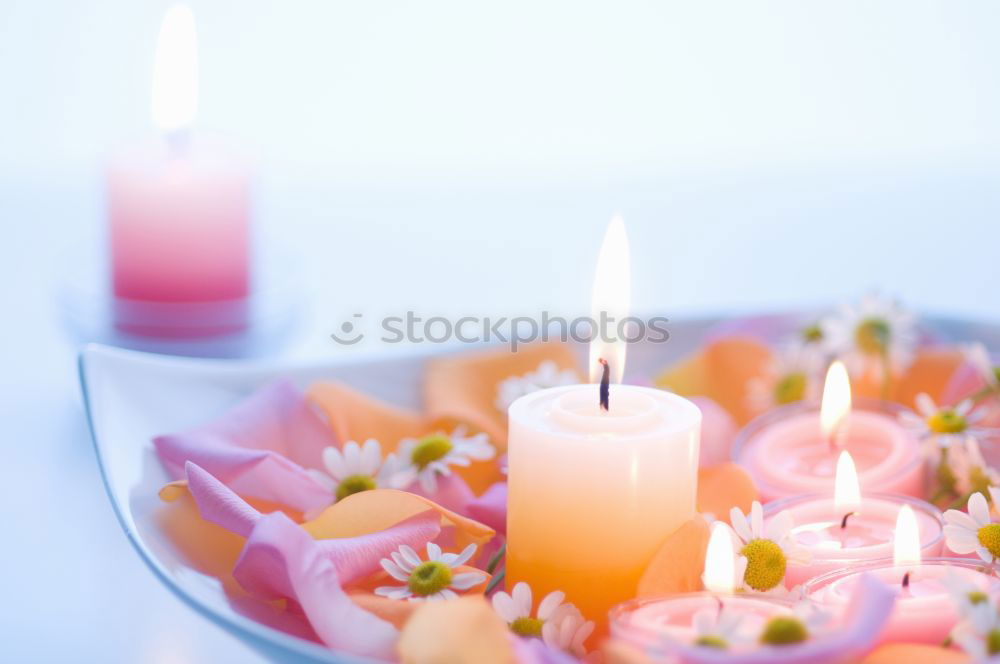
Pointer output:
612, 295
846, 488
175, 71
836, 405
720, 561
906, 546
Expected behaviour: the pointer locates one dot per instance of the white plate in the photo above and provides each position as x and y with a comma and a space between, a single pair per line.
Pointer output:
132, 397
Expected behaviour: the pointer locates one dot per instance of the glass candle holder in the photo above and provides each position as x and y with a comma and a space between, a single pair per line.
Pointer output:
786, 453
837, 540
926, 606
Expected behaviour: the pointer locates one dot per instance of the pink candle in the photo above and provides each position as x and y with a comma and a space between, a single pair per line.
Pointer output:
925, 610
865, 535
179, 209
786, 452
655, 623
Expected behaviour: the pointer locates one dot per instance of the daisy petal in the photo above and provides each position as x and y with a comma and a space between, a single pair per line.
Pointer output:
979, 509
467, 580
550, 603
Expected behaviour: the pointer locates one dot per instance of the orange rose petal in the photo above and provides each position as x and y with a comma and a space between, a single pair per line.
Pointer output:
721, 488
463, 631
463, 388
394, 611
372, 511
915, 653
720, 371
356, 416
618, 652
930, 372
677, 566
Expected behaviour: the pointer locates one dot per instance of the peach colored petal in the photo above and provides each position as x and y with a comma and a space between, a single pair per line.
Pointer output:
463, 631
393, 611
718, 429
915, 653
356, 416
724, 487
677, 566
463, 388
930, 372
372, 511
619, 652
720, 371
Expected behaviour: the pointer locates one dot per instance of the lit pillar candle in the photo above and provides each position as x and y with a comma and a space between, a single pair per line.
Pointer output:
179, 209
594, 492
925, 609
849, 528
794, 449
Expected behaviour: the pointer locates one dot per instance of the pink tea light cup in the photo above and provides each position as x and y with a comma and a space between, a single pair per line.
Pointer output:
839, 540
786, 453
926, 607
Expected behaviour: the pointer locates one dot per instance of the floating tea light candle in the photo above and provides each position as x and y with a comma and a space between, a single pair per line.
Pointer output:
926, 608
794, 449
598, 477
848, 528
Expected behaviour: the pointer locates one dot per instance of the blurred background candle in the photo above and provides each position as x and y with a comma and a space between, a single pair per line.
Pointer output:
794, 449
846, 529
925, 610
593, 493
179, 210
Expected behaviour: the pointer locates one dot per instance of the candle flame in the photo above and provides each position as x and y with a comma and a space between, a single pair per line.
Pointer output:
906, 546
175, 71
836, 404
846, 488
720, 561
611, 299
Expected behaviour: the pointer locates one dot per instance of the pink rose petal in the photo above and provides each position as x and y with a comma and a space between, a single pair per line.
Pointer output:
491, 507
259, 448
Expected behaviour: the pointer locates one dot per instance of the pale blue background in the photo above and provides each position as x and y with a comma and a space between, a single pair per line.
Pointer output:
464, 157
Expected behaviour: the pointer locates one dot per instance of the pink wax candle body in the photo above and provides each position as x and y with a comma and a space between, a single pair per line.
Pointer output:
179, 231
786, 453
867, 535
655, 623
925, 609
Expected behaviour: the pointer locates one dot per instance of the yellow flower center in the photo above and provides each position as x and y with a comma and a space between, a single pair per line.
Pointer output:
429, 578
946, 421
989, 537
872, 336
527, 626
783, 630
354, 484
430, 448
812, 334
790, 387
765, 564
993, 642
978, 597
711, 641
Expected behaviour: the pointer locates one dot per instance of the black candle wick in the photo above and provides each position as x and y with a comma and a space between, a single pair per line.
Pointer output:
906, 580
843, 522
605, 392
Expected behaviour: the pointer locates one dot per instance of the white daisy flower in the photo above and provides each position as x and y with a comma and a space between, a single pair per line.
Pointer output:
979, 358
938, 426
974, 532
979, 633
793, 374
876, 329
719, 628
356, 468
965, 595
548, 374
805, 619
434, 578
560, 625
762, 554
425, 458
968, 467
